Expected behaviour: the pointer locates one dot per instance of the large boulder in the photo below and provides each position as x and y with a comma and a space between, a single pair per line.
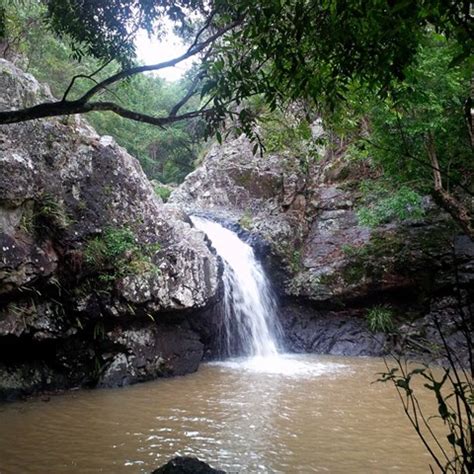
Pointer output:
88, 250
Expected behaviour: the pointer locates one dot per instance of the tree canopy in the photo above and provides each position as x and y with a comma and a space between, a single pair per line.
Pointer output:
403, 67
283, 50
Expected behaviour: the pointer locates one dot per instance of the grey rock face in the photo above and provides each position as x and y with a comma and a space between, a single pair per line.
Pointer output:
330, 332
265, 194
62, 189
308, 217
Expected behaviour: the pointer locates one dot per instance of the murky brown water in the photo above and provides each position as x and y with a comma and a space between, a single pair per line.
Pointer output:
308, 414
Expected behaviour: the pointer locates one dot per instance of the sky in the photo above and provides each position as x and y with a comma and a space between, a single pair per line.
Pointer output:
152, 51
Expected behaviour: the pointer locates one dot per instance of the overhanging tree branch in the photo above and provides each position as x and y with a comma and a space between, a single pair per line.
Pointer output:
82, 105
156, 67
84, 76
77, 107
191, 92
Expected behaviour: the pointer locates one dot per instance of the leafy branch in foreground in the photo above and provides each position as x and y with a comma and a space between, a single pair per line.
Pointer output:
453, 390
454, 396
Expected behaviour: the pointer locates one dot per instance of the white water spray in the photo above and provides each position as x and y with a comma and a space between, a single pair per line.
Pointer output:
250, 321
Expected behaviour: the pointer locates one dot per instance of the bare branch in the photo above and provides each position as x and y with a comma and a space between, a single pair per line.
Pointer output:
84, 76
201, 31
191, 92
155, 67
54, 109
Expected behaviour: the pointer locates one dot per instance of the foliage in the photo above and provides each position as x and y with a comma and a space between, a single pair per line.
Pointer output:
316, 50
383, 204
163, 192
109, 246
116, 254
430, 102
282, 131
105, 29
419, 136
278, 51
380, 318
454, 394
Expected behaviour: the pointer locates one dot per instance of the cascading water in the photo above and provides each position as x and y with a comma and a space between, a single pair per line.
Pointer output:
250, 322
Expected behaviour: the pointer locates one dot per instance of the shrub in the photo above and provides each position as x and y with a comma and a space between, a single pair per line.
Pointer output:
115, 254
385, 205
163, 192
113, 243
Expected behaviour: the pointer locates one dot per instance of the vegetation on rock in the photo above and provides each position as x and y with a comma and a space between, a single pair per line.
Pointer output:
116, 253
380, 318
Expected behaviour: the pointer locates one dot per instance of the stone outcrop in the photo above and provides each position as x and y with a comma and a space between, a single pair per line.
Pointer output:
186, 465
97, 277
329, 269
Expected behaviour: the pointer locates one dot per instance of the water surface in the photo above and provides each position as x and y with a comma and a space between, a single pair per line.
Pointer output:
305, 414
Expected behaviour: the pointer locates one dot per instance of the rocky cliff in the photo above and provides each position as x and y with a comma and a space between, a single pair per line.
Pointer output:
331, 270
98, 279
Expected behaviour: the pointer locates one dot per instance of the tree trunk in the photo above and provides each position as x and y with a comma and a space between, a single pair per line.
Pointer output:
456, 209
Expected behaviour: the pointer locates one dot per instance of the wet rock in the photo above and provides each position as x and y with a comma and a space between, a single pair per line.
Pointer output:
320, 256
308, 218
186, 465
151, 351
330, 332
20, 380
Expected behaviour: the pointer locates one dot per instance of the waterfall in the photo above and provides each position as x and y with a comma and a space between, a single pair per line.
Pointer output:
250, 319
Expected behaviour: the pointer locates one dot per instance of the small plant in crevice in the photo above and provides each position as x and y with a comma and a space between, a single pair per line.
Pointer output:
49, 216
115, 254
295, 261
163, 192
98, 331
246, 221
27, 224
380, 319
